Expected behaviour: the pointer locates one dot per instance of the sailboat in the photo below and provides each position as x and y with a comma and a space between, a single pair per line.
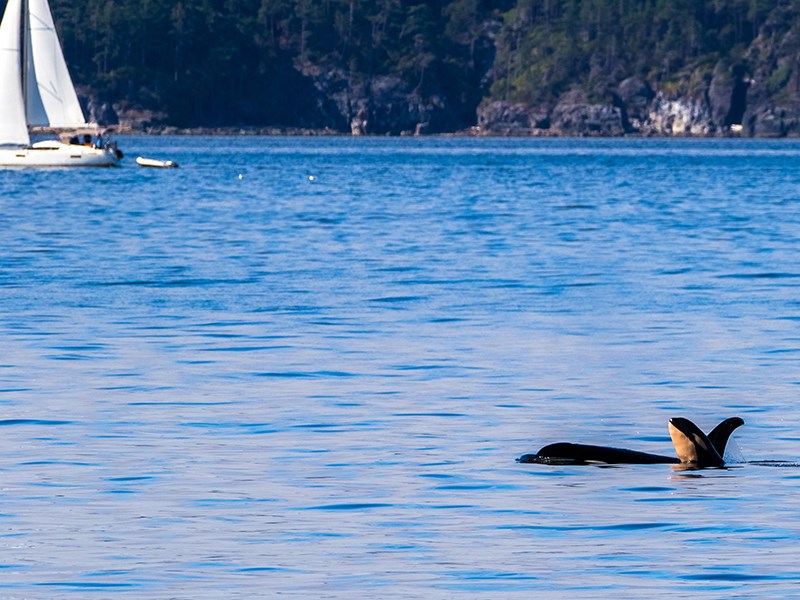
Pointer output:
36, 90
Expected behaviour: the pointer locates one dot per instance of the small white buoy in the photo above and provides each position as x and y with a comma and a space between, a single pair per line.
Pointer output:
241, 176
312, 177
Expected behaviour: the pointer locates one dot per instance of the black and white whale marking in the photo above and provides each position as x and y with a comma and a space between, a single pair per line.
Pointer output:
693, 447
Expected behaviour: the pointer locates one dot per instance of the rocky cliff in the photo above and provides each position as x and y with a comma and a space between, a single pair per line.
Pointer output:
727, 104
728, 70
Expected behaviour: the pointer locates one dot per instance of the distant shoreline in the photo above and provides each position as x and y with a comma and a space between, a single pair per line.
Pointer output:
280, 132
471, 132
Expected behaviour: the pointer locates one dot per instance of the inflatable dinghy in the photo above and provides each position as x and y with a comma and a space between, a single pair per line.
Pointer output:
155, 163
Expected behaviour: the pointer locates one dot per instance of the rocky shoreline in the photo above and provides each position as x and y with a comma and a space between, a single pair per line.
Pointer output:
720, 102
472, 132
633, 109
726, 106
666, 119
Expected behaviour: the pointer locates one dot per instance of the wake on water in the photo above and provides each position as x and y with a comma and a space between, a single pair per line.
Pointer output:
735, 456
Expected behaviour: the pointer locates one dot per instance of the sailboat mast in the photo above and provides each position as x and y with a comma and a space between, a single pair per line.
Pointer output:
25, 47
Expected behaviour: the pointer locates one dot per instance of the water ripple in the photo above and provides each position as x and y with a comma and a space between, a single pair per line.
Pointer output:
45, 422
216, 386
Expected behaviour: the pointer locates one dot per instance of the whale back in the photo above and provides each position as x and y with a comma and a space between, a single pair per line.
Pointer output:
565, 453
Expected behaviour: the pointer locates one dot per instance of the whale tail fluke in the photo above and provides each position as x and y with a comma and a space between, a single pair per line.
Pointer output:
692, 445
720, 435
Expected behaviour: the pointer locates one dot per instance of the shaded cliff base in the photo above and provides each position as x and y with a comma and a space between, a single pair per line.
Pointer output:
726, 106
675, 118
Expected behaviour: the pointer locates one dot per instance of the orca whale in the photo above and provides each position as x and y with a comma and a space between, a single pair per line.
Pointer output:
693, 447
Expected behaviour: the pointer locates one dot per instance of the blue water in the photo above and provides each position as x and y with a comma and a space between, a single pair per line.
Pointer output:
304, 367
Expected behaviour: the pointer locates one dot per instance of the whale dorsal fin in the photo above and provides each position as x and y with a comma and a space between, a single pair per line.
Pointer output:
692, 445
721, 433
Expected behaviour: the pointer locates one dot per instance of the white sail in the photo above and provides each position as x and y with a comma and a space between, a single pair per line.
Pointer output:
51, 97
36, 89
13, 127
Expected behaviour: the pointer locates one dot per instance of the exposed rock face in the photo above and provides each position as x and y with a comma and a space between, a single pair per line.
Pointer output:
632, 110
679, 117
511, 119
139, 119
581, 119
96, 109
569, 117
379, 105
633, 96
102, 113
733, 99
773, 121
719, 94
392, 106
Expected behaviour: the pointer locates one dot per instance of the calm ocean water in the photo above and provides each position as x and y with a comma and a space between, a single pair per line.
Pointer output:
304, 367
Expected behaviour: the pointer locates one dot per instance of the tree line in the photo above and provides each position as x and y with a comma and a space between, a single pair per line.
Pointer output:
263, 62
548, 46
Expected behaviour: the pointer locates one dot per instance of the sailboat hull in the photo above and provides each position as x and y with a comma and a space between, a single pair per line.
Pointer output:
36, 90
58, 154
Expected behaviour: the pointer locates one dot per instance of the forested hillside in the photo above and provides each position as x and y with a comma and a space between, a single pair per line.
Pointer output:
378, 66
657, 66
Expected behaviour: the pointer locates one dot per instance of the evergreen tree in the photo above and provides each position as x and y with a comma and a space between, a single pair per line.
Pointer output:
240, 62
